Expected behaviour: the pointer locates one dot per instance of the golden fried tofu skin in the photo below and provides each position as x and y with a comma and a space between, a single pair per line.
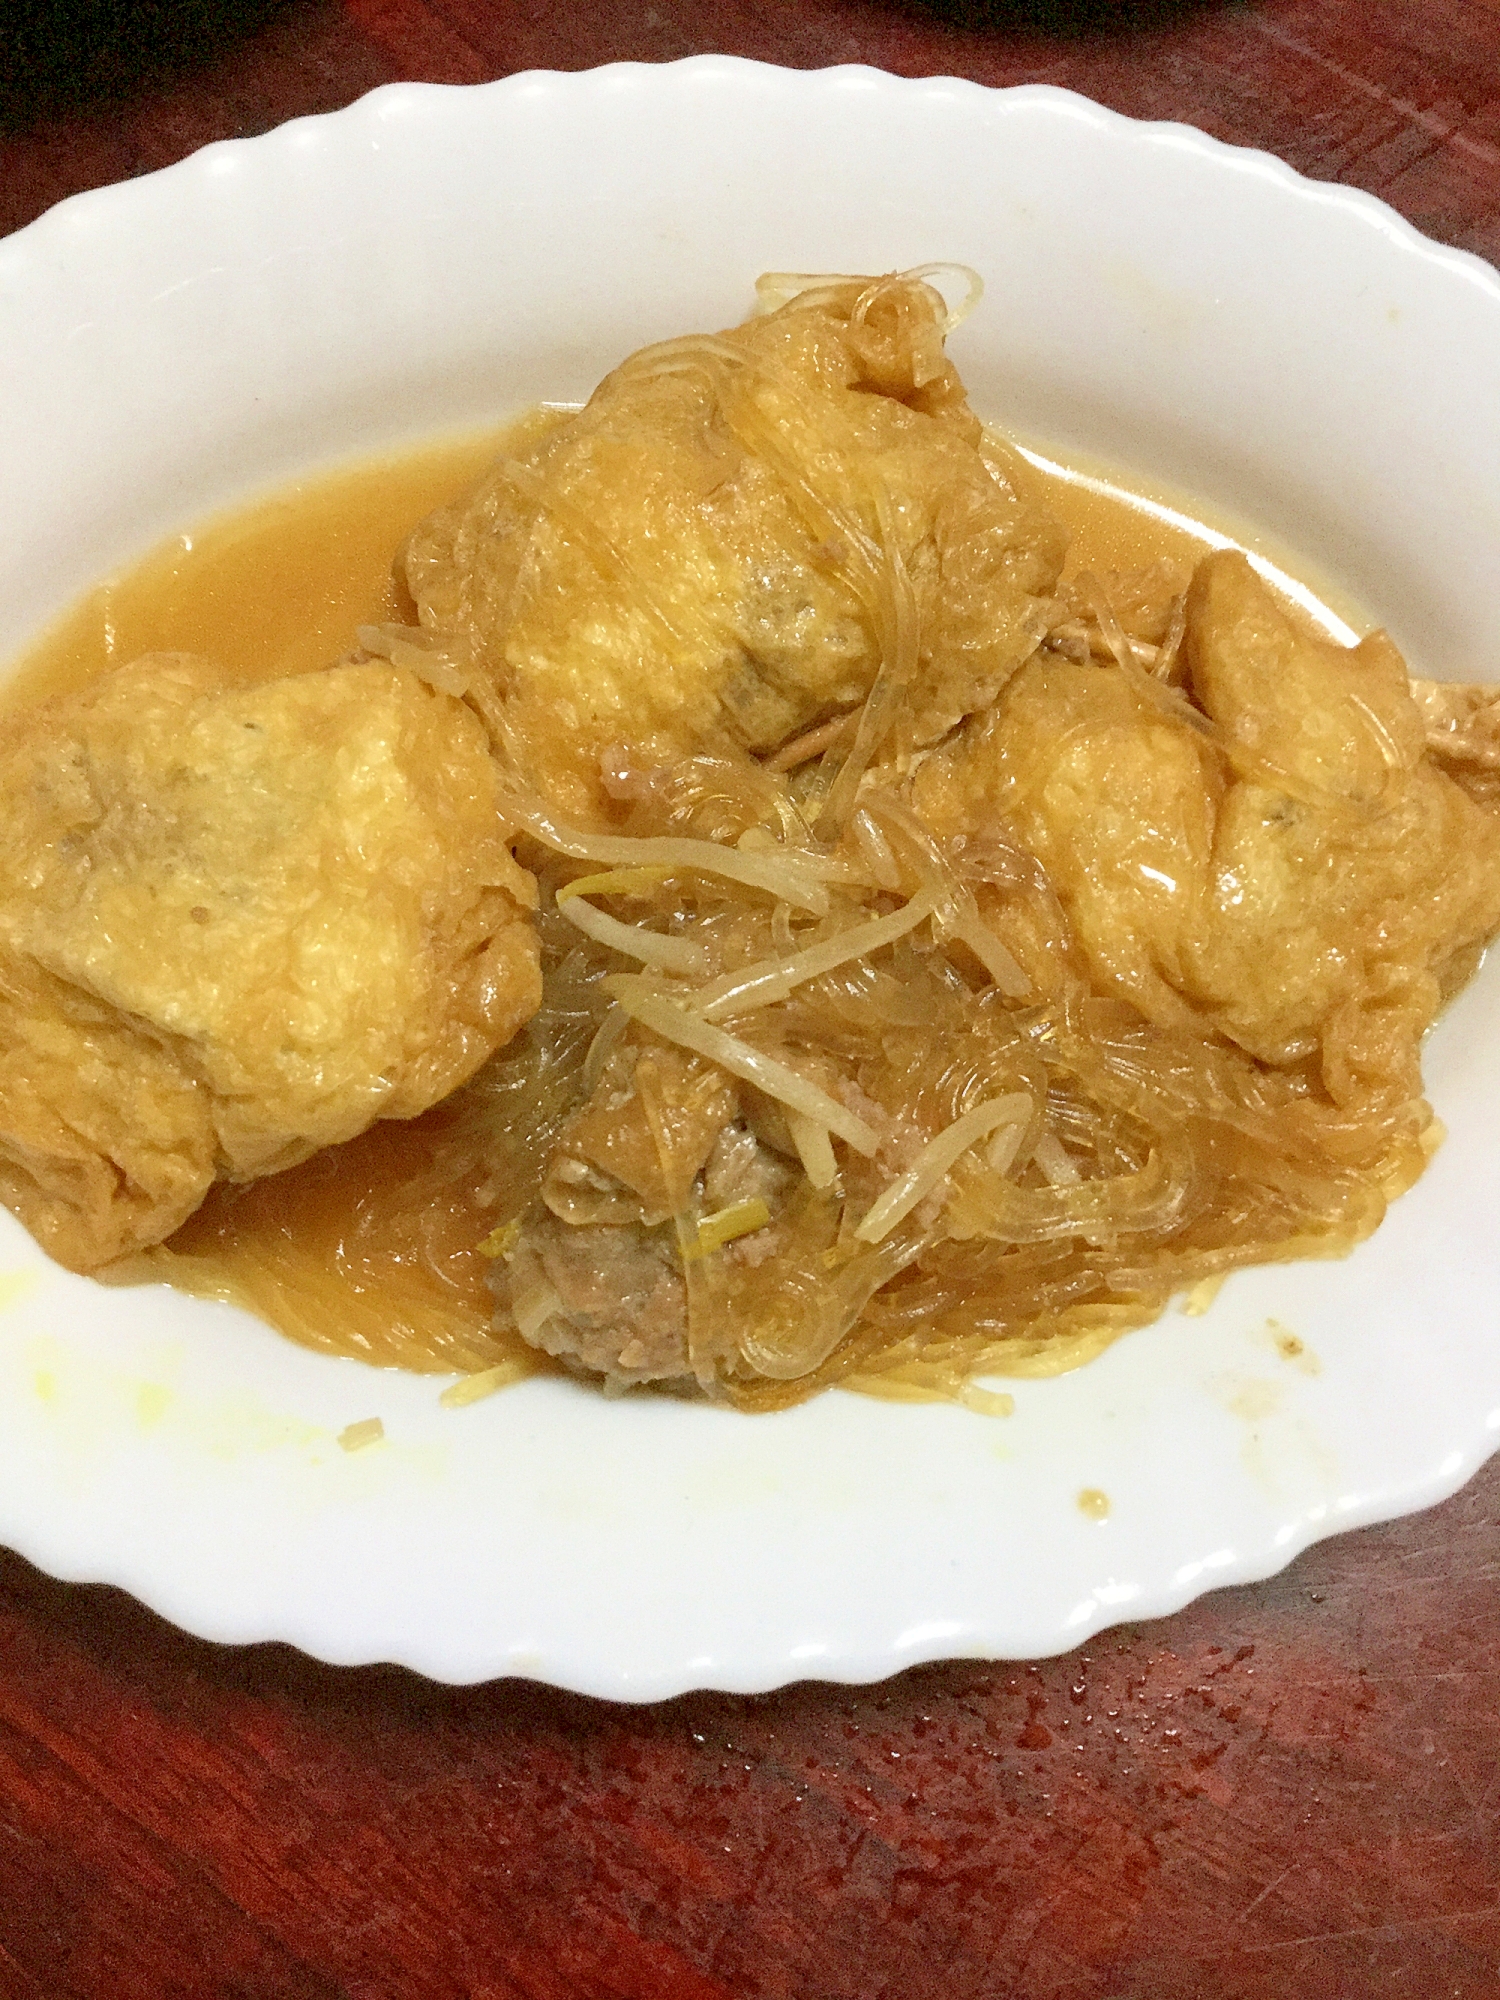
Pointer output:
1463, 728
1326, 724
735, 538
1276, 860
238, 924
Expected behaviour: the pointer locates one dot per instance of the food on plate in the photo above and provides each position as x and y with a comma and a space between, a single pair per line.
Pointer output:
950, 951
238, 925
734, 538
1463, 726
1277, 861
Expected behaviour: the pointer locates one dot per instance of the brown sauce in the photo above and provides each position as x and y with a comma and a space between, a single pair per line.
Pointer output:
370, 1248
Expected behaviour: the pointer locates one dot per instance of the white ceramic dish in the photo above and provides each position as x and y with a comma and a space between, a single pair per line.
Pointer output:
432, 258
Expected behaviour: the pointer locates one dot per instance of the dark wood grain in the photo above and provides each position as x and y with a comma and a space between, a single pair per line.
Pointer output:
1287, 1791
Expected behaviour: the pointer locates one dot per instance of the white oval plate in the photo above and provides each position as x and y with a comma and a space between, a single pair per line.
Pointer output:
433, 258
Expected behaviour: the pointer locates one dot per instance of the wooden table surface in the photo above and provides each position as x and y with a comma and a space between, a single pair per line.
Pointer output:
1289, 1790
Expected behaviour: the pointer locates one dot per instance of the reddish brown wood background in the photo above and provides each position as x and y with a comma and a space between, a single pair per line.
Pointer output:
1287, 1791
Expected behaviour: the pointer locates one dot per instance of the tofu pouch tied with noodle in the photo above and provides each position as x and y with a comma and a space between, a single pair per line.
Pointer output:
238, 925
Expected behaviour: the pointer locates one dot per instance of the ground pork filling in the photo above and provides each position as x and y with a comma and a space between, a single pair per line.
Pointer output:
610, 1300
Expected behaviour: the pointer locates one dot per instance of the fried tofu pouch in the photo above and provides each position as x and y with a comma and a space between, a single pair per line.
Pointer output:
734, 536
1300, 876
238, 924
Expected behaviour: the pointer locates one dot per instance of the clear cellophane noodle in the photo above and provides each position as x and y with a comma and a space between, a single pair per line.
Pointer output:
1152, 1160
1184, 1158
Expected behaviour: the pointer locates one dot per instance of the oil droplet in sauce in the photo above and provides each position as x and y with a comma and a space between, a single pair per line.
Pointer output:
372, 1248
1094, 1504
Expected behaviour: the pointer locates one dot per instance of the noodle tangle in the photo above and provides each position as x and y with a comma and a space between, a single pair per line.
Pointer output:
948, 958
